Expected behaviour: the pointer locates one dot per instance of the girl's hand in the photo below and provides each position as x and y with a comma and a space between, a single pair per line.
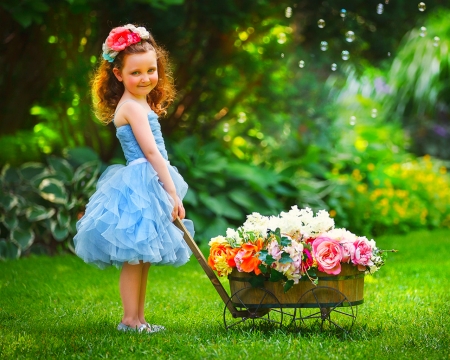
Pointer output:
175, 212
181, 211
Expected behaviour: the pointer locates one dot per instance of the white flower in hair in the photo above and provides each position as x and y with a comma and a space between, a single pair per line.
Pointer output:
141, 31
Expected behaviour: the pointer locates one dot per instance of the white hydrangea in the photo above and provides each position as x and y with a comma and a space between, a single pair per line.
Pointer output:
218, 240
341, 235
234, 236
257, 224
321, 223
301, 223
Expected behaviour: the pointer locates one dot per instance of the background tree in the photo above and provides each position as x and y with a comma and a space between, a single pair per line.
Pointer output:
263, 120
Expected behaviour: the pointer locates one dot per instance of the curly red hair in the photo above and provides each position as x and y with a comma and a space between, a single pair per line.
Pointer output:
107, 90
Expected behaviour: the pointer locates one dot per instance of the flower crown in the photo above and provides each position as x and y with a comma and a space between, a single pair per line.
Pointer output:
121, 37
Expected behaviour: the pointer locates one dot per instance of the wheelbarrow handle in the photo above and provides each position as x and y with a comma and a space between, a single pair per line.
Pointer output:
204, 264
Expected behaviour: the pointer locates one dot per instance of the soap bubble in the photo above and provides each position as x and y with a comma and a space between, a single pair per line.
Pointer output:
350, 36
374, 113
288, 12
380, 9
389, 53
436, 41
301, 64
423, 31
333, 67
352, 120
321, 23
323, 46
343, 13
422, 6
345, 55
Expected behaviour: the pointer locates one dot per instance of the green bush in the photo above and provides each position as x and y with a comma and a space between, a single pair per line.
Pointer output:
41, 203
393, 198
223, 189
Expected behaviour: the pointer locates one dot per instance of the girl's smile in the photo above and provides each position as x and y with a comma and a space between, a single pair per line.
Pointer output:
139, 74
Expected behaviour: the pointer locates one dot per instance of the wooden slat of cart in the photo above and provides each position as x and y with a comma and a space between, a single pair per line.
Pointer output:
204, 264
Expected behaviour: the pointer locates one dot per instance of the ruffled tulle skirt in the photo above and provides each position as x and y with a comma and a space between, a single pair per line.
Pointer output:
128, 219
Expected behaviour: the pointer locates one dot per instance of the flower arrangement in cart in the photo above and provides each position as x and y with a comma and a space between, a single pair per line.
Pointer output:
290, 246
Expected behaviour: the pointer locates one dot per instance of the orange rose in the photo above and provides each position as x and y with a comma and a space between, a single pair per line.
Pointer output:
246, 259
231, 254
215, 251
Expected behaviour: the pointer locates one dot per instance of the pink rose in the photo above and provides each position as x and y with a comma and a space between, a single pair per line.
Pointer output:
362, 254
328, 255
120, 37
348, 250
274, 250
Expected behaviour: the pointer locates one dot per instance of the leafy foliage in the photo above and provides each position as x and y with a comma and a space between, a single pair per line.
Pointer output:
250, 129
419, 93
223, 188
40, 203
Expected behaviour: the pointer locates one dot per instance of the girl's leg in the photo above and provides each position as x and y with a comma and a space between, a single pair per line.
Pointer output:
144, 277
130, 287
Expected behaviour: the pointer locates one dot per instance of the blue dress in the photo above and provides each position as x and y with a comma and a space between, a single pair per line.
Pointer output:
128, 218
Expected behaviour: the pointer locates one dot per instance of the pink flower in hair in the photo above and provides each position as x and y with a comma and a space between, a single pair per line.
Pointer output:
120, 37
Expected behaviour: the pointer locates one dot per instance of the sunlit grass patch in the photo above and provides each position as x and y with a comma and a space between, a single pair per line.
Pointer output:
62, 308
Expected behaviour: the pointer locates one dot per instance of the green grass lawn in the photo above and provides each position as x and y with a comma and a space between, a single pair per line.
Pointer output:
62, 308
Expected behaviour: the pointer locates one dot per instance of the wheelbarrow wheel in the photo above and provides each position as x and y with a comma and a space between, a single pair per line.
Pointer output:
325, 308
257, 309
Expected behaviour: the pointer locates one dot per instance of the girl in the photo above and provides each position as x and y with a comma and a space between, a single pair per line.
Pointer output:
128, 220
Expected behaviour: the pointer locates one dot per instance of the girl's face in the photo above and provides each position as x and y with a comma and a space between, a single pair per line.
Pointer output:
139, 73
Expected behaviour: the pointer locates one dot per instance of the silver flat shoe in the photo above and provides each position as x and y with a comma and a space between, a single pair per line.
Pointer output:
123, 327
154, 328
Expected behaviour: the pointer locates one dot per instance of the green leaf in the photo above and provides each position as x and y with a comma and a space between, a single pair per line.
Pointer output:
11, 221
243, 198
214, 226
10, 175
275, 275
212, 203
253, 174
229, 209
71, 203
61, 167
257, 281
264, 269
191, 198
37, 179
53, 190
285, 241
73, 225
59, 232
285, 259
63, 218
220, 205
9, 250
71, 245
287, 285
85, 177
262, 255
269, 260
277, 233
31, 170
38, 213
23, 236
8, 201
82, 155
